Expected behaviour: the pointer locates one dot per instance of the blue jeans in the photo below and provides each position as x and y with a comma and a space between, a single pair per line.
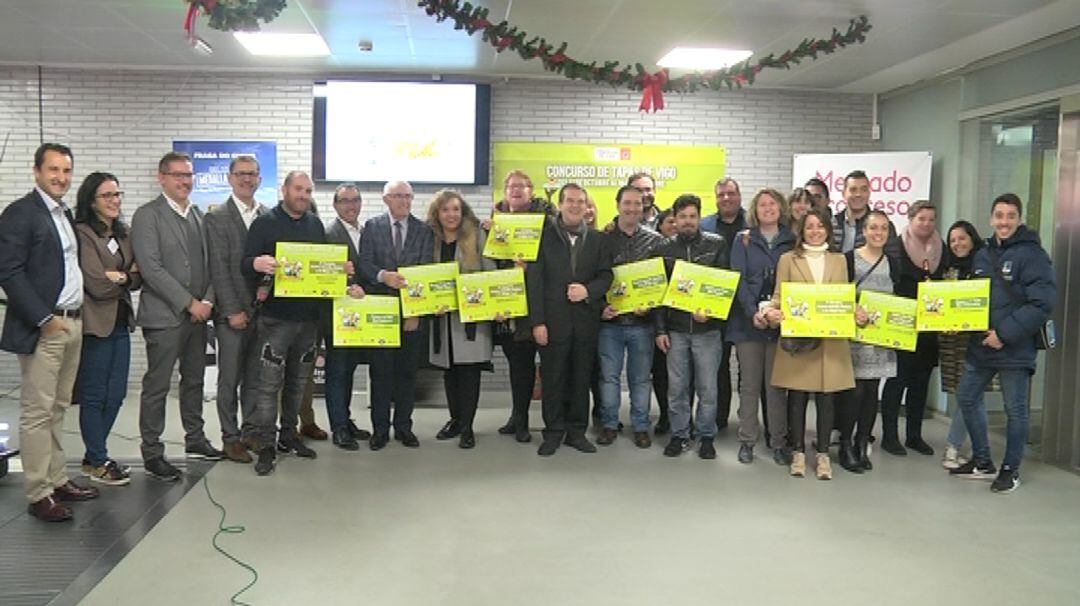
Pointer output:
958, 431
341, 363
637, 343
694, 359
102, 385
1014, 390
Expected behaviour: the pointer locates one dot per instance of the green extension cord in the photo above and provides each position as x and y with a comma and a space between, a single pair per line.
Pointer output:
223, 529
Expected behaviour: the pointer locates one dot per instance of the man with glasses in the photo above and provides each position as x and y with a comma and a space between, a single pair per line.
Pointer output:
176, 301
391, 241
226, 228
341, 362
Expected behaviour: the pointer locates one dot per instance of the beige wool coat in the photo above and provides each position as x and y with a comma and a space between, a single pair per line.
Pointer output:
826, 369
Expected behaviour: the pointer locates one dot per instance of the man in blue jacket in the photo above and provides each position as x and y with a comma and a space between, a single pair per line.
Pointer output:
1022, 296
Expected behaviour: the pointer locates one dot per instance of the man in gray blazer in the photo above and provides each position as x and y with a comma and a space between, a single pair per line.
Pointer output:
176, 301
226, 231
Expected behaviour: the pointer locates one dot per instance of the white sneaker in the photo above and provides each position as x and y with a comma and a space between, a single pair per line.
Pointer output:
953, 458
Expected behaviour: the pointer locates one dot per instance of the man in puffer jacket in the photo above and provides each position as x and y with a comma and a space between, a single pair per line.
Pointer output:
1022, 297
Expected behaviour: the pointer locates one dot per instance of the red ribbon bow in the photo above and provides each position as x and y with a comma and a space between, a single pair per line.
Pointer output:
652, 93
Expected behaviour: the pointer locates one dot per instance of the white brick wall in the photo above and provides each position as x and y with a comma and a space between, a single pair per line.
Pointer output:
123, 121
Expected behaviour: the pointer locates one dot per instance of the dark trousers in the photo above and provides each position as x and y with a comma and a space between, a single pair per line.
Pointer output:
723, 386
393, 379
862, 412
797, 401
341, 363
462, 384
281, 361
185, 343
915, 380
565, 372
233, 347
521, 356
660, 381
102, 385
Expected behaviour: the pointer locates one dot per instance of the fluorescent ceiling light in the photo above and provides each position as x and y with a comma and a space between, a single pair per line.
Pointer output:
703, 59
266, 44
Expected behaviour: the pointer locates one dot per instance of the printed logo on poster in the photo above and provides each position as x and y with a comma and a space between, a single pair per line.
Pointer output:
897, 179
210, 161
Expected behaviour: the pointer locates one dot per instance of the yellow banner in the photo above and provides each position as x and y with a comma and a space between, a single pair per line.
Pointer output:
817, 310
310, 270
602, 168
515, 236
700, 288
892, 321
639, 285
486, 294
961, 305
373, 321
429, 289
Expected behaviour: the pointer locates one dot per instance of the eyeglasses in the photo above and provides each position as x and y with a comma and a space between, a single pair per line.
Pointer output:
246, 173
400, 196
110, 195
515, 186
348, 200
179, 175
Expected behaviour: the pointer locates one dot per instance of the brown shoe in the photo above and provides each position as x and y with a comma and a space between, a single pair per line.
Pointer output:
49, 510
236, 452
313, 432
249, 444
607, 437
642, 439
73, 492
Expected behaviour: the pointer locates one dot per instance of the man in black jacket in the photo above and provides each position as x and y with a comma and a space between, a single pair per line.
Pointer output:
566, 287
692, 342
39, 272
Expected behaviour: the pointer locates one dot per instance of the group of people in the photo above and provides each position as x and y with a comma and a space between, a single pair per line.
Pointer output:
69, 282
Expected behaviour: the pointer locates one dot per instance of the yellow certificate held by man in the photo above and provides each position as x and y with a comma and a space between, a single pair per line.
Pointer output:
817, 310
484, 295
697, 288
891, 321
373, 321
514, 236
310, 270
639, 285
954, 305
429, 289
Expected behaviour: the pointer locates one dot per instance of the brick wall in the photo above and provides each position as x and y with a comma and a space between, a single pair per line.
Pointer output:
122, 121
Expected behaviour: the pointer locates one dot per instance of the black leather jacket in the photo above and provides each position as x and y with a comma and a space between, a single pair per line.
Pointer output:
703, 249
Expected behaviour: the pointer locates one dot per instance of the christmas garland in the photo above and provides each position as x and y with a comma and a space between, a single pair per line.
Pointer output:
232, 15
503, 36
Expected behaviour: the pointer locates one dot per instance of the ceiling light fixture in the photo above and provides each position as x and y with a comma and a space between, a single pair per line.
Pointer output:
267, 44
200, 46
703, 59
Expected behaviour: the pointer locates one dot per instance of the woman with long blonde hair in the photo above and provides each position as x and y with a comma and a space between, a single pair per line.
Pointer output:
462, 350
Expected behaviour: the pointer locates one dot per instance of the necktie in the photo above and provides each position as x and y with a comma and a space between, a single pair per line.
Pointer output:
399, 241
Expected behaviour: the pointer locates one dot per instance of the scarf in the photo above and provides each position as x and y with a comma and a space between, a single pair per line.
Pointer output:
815, 258
925, 254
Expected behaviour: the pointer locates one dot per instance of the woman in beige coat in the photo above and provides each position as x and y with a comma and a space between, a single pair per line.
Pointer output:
825, 369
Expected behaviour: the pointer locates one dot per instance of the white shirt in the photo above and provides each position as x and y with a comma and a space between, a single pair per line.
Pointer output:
354, 232
176, 207
71, 295
404, 229
247, 214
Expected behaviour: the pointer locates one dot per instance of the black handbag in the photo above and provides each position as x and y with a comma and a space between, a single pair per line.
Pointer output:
798, 345
1046, 338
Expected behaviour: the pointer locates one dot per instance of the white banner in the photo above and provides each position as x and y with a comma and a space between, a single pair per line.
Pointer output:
897, 179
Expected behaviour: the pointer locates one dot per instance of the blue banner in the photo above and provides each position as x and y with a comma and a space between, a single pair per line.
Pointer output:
211, 159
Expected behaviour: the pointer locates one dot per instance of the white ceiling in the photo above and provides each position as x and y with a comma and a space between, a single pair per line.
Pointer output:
911, 39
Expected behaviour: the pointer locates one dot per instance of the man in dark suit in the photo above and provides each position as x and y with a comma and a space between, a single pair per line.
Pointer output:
396, 239
341, 362
226, 230
566, 287
39, 272
176, 301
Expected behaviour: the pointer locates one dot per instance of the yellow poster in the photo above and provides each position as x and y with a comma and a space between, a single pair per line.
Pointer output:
817, 310
960, 305
891, 321
373, 321
430, 289
515, 236
310, 270
699, 288
602, 168
639, 285
486, 294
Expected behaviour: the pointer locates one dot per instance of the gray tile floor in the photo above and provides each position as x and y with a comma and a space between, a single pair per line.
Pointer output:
499, 525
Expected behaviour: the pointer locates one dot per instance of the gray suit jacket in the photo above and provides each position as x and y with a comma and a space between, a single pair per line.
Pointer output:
377, 251
225, 237
162, 255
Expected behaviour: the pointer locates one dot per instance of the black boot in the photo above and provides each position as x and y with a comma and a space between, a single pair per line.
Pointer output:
861, 445
848, 459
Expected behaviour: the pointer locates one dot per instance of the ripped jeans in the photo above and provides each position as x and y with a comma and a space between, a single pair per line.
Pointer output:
280, 362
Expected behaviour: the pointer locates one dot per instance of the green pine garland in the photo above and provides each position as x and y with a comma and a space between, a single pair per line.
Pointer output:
239, 15
503, 36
